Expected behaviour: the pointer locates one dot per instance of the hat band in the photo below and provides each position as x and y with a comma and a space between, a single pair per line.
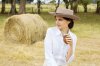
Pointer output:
64, 13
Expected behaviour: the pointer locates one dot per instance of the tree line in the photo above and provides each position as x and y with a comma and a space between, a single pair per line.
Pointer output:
13, 10
73, 3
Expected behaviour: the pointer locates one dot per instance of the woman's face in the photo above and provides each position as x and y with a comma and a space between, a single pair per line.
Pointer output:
61, 22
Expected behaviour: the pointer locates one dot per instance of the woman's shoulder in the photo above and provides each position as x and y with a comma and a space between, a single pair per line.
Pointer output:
73, 35
51, 29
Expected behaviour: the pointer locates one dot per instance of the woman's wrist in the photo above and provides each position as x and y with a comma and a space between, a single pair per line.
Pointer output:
70, 44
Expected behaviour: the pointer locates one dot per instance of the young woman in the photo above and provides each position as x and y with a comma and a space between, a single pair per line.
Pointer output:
60, 42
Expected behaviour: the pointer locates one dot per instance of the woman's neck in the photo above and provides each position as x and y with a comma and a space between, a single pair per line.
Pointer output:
65, 30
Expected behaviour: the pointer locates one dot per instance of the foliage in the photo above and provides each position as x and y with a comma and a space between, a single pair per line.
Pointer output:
86, 1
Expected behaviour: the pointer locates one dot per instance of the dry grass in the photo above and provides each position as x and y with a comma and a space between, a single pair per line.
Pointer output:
87, 53
21, 55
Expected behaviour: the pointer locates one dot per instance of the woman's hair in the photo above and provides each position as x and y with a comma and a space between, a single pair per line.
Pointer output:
71, 24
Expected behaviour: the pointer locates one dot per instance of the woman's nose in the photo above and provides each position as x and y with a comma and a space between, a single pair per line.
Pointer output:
57, 21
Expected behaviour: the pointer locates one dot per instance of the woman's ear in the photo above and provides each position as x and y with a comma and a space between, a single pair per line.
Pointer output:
68, 22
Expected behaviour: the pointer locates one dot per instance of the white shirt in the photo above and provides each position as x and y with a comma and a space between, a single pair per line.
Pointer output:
55, 48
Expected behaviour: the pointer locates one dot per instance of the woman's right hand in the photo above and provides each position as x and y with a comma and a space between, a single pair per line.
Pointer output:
67, 39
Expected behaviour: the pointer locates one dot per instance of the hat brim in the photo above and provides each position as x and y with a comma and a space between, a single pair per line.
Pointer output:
74, 17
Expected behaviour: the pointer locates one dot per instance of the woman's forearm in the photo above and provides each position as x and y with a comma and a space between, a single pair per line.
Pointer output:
69, 53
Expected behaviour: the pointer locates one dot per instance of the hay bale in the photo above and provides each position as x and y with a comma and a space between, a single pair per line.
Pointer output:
25, 28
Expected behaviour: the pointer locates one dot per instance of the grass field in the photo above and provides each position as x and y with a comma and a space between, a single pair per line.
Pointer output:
87, 52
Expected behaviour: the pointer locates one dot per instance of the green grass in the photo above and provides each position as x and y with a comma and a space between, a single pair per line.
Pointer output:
87, 52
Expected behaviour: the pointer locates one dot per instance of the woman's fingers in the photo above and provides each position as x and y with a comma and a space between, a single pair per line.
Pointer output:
67, 39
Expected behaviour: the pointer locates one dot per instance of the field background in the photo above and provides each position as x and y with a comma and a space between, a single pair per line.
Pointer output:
87, 52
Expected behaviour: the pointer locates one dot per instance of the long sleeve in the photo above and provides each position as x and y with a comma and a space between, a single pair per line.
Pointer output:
74, 39
49, 59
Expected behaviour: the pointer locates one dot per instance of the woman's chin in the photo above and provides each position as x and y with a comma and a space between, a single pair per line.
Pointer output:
59, 27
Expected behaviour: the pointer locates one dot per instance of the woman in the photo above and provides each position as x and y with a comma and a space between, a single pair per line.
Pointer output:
60, 42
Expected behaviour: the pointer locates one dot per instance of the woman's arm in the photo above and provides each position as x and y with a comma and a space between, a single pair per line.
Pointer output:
72, 44
69, 53
49, 59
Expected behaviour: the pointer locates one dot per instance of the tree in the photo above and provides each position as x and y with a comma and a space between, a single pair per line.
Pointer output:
22, 7
3, 6
13, 7
74, 5
85, 3
58, 3
66, 3
98, 7
39, 6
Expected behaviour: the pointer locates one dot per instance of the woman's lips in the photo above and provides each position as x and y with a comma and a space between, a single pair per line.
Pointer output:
58, 25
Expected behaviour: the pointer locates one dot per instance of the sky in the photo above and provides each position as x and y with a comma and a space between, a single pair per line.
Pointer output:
47, 1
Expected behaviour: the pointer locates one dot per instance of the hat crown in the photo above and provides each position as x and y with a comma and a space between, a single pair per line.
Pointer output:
64, 11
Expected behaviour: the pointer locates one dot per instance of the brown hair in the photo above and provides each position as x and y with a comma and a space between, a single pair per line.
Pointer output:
71, 24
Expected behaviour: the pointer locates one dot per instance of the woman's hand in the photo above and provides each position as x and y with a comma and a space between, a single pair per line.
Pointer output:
67, 39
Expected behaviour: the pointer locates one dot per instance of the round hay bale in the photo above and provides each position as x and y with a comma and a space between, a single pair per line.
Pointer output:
25, 28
